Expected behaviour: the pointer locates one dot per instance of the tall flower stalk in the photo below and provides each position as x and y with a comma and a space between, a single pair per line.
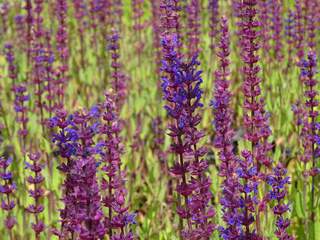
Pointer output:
213, 8
36, 192
255, 118
311, 25
119, 79
181, 89
113, 183
29, 36
224, 138
170, 20
276, 8
193, 17
289, 35
63, 50
264, 18
7, 189
278, 181
80, 13
66, 142
299, 31
20, 97
311, 150
82, 215
138, 26
38, 53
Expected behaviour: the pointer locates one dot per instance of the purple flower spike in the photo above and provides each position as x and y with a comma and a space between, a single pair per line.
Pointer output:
20, 97
7, 188
256, 120
138, 25
264, 17
170, 21
290, 36
308, 72
82, 215
310, 129
181, 89
193, 11
276, 8
213, 8
311, 27
63, 50
36, 193
278, 181
29, 21
113, 183
224, 137
256, 123
299, 31
119, 79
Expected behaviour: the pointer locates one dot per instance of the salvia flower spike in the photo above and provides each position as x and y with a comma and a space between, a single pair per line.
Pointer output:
223, 140
36, 192
278, 182
181, 88
113, 183
7, 189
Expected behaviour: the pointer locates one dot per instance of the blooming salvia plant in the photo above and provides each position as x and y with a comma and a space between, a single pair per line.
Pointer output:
255, 120
310, 129
63, 50
138, 25
29, 22
299, 32
7, 189
264, 18
118, 219
36, 192
181, 89
119, 79
20, 97
289, 35
193, 16
276, 9
278, 182
223, 117
213, 8
170, 20
82, 216
80, 13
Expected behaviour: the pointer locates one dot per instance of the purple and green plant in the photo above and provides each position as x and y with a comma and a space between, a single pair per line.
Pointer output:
224, 137
7, 189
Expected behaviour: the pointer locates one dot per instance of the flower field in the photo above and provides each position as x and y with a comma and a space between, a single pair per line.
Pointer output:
159, 119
